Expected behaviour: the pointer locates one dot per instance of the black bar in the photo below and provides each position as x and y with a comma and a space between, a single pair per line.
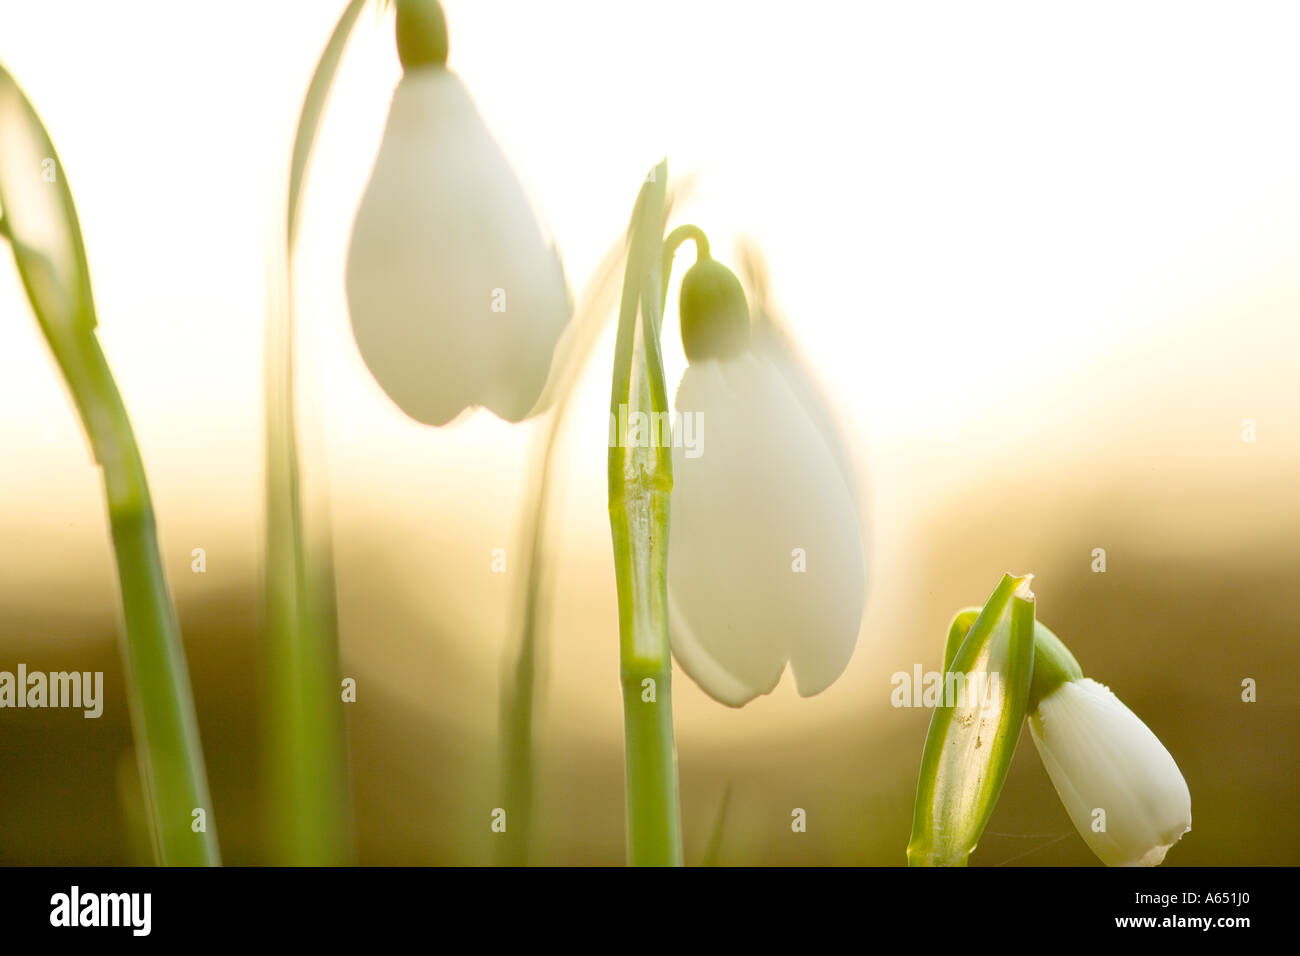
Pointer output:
727, 905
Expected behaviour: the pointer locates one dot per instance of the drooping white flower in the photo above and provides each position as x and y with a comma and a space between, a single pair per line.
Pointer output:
765, 560
1102, 757
457, 296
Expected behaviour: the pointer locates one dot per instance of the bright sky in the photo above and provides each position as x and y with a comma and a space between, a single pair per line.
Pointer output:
925, 179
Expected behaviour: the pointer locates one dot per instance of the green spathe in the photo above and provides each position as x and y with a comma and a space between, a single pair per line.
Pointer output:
968, 749
1053, 662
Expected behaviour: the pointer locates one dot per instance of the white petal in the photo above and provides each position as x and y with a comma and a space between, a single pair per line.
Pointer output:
1100, 755
442, 225
764, 484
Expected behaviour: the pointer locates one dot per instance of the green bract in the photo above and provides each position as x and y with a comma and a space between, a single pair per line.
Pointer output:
989, 657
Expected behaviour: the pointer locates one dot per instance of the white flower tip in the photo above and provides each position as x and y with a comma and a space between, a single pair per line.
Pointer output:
1120, 785
1156, 855
809, 687
705, 669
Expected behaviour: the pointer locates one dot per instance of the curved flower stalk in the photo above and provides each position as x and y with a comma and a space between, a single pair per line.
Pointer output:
1119, 784
306, 758
767, 564
457, 297
988, 667
40, 223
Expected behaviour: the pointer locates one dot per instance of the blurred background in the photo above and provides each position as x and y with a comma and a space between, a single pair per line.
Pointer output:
1045, 259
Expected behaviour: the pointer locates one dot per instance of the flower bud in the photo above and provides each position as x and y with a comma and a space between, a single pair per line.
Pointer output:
1122, 789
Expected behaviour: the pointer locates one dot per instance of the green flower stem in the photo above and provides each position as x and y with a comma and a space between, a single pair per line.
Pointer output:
313, 108
714, 847
518, 697
640, 485
309, 796
41, 224
674, 241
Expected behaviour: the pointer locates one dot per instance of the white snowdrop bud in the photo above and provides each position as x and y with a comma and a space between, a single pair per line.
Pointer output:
1102, 757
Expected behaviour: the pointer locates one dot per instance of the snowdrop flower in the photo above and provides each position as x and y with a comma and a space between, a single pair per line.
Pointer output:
1123, 791
765, 563
457, 297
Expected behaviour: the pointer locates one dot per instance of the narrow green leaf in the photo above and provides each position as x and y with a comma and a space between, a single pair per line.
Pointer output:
42, 228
